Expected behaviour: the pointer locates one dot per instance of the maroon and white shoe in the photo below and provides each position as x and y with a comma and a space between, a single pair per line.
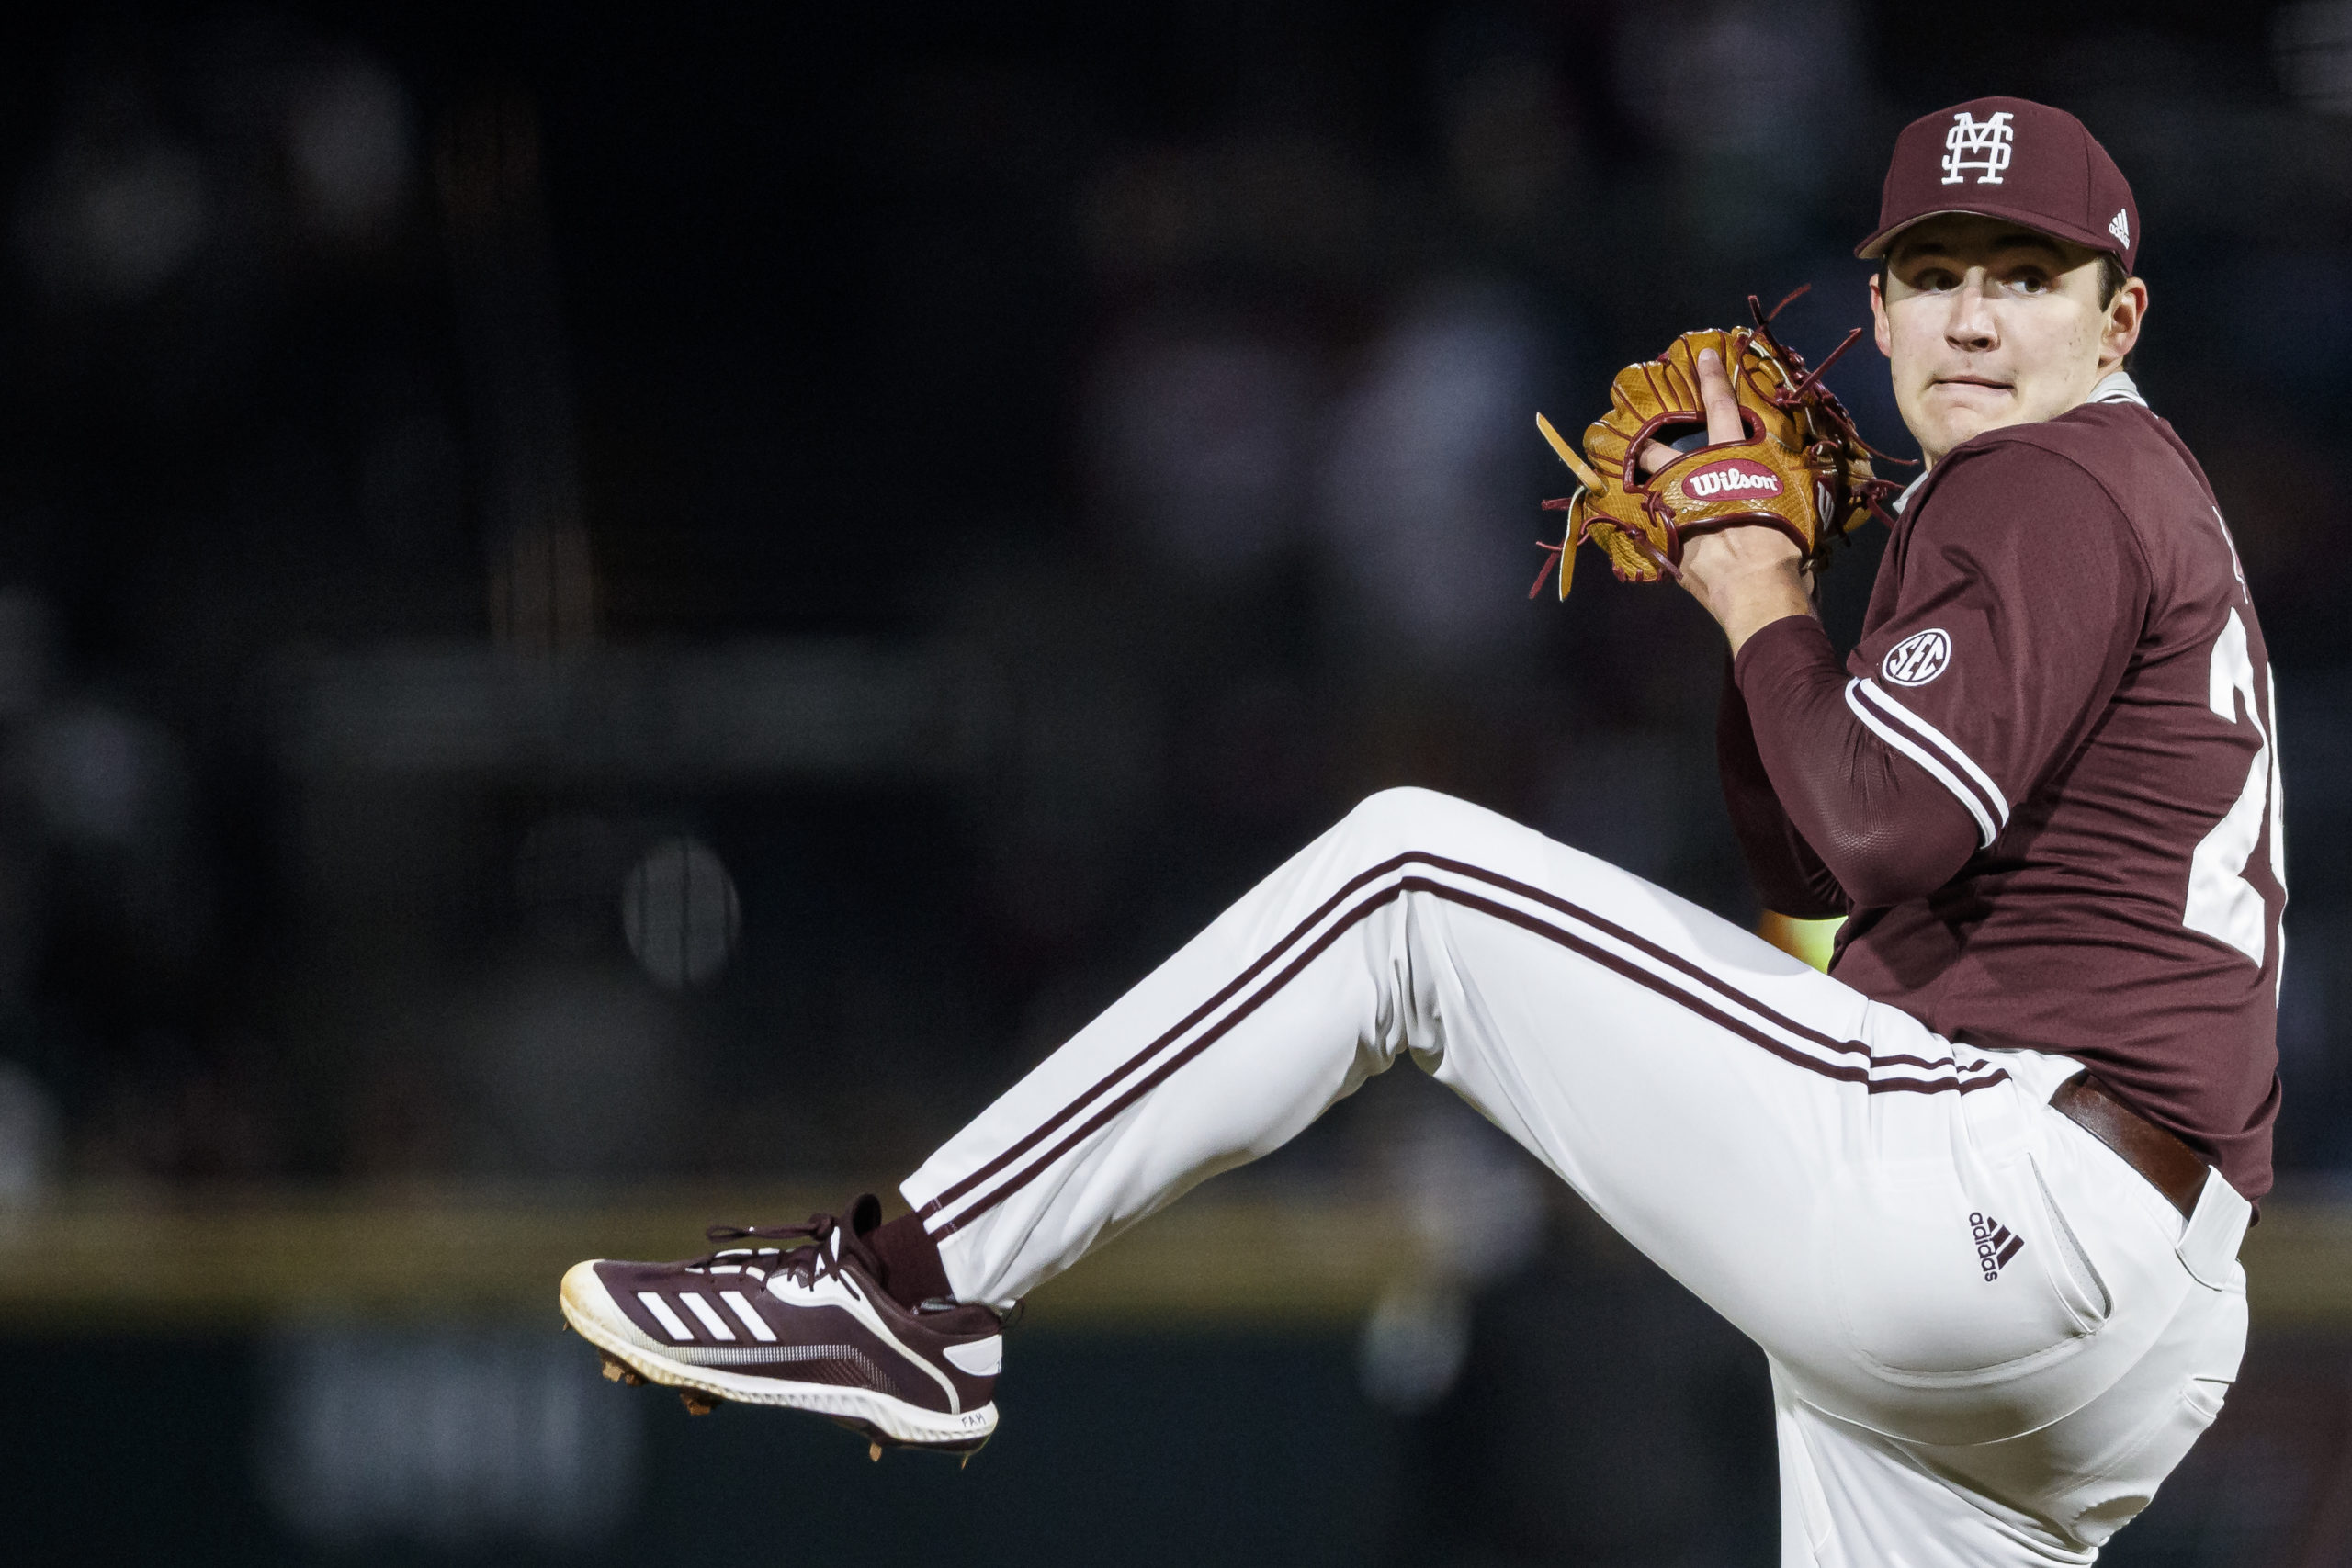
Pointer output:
806, 1325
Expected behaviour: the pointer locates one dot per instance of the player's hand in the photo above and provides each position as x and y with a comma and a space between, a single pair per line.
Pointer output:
1746, 577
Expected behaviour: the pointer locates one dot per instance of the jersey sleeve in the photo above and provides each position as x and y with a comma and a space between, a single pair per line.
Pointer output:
2020, 596
1790, 877
1883, 830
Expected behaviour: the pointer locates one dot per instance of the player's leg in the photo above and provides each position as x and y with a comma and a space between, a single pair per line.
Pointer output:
1680, 1073
1791, 1152
2056, 1494
1695, 1084
1836, 1180
1675, 1069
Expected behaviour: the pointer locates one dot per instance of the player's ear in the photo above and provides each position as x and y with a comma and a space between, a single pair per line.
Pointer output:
1881, 332
2125, 314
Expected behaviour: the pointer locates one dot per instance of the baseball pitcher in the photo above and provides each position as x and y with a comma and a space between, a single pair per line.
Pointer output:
1978, 1191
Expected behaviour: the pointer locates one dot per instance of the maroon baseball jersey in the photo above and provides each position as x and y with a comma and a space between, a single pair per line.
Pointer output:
2044, 787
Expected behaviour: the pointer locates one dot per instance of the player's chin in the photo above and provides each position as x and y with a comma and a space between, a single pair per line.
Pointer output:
1958, 411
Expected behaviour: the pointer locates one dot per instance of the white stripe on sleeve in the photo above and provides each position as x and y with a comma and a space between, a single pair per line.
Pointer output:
1986, 832
1993, 797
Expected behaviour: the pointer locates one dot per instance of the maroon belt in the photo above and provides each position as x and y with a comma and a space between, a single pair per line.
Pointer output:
2171, 1166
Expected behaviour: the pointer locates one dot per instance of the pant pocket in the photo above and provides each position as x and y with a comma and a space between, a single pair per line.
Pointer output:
1946, 1278
2114, 1497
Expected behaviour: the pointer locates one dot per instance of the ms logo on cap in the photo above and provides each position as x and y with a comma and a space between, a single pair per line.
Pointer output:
1984, 148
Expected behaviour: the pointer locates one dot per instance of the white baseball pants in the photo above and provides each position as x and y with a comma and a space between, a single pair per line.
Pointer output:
1990, 1337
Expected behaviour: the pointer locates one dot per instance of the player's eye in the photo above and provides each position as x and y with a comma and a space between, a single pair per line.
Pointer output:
2030, 282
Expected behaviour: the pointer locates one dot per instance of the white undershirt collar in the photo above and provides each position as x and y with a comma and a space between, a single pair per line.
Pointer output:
2116, 386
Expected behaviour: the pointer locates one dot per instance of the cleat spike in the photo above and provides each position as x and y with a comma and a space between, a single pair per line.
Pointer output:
696, 1403
873, 1453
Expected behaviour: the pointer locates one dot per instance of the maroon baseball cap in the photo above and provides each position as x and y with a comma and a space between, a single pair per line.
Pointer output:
2008, 158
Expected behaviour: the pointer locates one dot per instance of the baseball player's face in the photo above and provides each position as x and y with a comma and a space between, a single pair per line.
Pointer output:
1985, 323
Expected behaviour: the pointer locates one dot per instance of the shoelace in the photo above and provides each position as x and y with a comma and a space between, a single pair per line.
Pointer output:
815, 1248
823, 1244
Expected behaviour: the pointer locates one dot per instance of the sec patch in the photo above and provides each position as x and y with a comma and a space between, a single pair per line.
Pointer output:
1917, 659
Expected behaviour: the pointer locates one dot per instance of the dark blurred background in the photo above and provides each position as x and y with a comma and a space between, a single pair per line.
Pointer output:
597, 596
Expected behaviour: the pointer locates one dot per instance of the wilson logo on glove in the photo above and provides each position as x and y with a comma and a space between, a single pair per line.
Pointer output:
1732, 478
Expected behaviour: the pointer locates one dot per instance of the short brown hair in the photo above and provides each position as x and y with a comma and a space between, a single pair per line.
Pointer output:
2111, 279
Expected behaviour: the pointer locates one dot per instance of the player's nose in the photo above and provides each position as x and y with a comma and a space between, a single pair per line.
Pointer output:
1972, 324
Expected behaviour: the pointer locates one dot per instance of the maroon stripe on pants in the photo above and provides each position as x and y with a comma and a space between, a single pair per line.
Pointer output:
1031, 1140
1664, 955
1356, 915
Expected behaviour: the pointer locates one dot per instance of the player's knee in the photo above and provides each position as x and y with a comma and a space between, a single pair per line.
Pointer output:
1406, 817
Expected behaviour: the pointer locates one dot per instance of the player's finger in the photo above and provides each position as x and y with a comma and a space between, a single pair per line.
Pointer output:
1715, 396
1722, 406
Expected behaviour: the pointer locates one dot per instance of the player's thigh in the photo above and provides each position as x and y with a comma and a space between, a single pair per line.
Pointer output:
1697, 1086
2092, 1472
1838, 1181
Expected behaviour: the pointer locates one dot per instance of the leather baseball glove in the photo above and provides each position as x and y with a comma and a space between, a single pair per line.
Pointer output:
1799, 465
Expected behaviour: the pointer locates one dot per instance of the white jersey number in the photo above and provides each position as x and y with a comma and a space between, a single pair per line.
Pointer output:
2222, 903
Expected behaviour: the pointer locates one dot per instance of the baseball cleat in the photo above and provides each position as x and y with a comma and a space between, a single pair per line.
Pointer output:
806, 1325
